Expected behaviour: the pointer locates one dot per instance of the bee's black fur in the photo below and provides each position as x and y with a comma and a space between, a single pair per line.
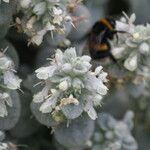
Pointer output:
102, 32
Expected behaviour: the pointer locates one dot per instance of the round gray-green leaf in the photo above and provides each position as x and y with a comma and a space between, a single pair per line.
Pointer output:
6, 12
44, 119
72, 111
3, 31
27, 124
77, 134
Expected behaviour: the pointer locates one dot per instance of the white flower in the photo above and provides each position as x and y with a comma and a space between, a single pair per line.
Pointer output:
48, 105
57, 11
67, 67
57, 14
86, 58
25, 3
97, 99
118, 52
40, 96
11, 81
4, 146
50, 27
30, 22
63, 86
77, 84
39, 8
5, 63
131, 63
101, 88
58, 20
103, 76
45, 72
92, 113
38, 38
98, 70
69, 100
59, 56
4, 99
144, 48
126, 23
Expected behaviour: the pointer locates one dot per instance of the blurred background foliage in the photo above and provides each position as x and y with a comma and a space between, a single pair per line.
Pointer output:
31, 135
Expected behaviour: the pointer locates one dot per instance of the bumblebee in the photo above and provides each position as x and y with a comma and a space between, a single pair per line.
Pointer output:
102, 32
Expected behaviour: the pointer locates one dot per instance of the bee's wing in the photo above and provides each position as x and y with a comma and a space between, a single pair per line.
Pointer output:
101, 36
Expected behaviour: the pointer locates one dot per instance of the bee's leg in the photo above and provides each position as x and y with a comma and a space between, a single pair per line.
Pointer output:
122, 32
117, 38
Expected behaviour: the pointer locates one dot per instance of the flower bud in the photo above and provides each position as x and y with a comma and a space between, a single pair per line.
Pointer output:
144, 48
63, 86
25, 3
131, 63
39, 8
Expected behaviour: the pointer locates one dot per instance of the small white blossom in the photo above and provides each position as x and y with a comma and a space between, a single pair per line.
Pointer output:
58, 20
118, 52
25, 3
57, 11
4, 146
38, 38
4, 99
5, 63
11, 81
49, 103
144, 48
126, 24
59, 56
63, 86
45, 72
101, 74
92, 113
39, 8
50, 27
131, 63
30, 22
41, 96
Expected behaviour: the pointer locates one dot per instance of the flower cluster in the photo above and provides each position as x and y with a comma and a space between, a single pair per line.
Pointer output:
43, 16
112, 134
8, 81
70, 87
132, 49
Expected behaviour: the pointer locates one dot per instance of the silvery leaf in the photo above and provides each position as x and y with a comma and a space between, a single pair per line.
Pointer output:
72, 111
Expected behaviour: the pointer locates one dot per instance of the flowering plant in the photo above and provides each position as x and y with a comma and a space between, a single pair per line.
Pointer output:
43, 16
132, 49
69, 86
112, 134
